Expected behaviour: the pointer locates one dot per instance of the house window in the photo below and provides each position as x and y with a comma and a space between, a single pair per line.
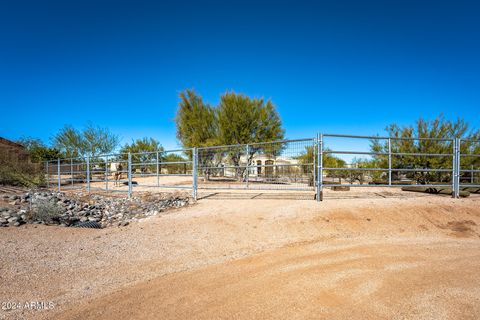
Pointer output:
269, 168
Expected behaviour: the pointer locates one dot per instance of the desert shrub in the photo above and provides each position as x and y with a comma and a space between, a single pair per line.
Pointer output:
46, 210
20, 173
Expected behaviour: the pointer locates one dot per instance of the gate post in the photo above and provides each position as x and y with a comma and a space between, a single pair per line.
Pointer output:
457, 190
106, 174
88, 174
471, 174
48, 176
129, 175
194, 173
247, 165
455, 167
319, 167
314, 175
58, 174
389, 162
158, 177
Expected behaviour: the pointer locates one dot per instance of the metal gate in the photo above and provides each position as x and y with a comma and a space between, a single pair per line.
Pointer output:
395, 162
329, 160
280, 165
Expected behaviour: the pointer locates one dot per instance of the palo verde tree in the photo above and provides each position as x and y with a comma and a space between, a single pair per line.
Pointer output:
243, 120
196, 121
237, 120
92, 141
438, 128
197, 126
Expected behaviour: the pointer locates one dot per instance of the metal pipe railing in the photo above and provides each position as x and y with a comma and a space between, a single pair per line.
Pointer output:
302, 158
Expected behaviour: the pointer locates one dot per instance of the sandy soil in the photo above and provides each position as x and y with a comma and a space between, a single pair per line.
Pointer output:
383, 255
144, 183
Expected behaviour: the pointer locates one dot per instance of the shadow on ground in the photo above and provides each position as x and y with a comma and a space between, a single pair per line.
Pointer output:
309, 196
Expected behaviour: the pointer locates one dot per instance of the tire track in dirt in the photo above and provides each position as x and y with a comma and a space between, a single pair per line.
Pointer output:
320, 280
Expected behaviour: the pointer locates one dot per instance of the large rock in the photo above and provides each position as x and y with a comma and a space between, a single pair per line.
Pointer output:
13, 219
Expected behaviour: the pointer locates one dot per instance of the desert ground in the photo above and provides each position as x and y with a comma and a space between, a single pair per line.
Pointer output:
369, 253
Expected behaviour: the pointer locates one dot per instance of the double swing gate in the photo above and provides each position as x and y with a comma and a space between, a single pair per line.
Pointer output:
328, 160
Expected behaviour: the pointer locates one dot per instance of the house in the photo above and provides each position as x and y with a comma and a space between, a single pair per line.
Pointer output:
261, 166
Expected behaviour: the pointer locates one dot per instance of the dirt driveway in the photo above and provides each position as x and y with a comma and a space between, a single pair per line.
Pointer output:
371, 258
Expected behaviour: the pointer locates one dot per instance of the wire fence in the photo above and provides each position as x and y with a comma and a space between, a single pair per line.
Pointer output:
280, 165
326, 161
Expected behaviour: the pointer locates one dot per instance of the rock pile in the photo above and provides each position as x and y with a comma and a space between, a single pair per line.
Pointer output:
53, 208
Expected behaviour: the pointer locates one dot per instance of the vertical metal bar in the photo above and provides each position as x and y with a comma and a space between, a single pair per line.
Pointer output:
158, 172
454, 168
320, 167
247, 165
88, 174
471, 175
129, 175
457, 195
48, 176
106, 173
194, 173
314, 150
71, 170
58, 174
389, 161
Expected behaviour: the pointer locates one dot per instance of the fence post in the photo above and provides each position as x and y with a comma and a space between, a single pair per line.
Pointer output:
471, 175
106, 174
457, 190
48, 176
194, 173
129, 175
320, 167
158, 177
71, 170
247, 165
88, 174
454, 168
58, 175
389, 162
314, 150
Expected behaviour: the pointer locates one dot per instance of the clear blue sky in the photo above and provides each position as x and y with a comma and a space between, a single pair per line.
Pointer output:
331, 66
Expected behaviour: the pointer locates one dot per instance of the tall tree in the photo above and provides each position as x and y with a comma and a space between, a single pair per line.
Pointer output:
237, 120
196, 121
92, 141
242, 120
